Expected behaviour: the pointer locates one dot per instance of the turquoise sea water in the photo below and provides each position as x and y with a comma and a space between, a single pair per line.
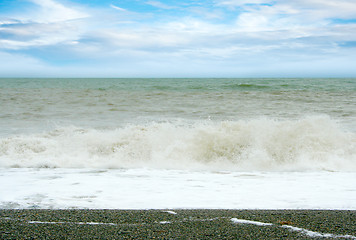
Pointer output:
246, 123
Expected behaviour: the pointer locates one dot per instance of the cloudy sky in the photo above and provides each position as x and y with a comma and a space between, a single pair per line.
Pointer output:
177, 38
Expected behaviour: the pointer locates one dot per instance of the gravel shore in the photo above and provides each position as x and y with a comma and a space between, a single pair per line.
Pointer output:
177, 224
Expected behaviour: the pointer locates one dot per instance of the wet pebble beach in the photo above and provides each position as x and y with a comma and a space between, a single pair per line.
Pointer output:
177, 224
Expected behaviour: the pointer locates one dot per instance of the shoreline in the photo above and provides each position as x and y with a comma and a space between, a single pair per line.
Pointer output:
177, 224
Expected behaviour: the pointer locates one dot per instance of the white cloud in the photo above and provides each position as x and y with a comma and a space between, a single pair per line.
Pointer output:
280, 14
52, 23
327, 8
294, 19
117, 8
323, 8
38, 34
253, 22
159, 5
235, 3
170, 37
52, 11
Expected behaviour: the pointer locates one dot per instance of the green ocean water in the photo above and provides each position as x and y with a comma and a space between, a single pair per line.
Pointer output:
32, 104
184, 84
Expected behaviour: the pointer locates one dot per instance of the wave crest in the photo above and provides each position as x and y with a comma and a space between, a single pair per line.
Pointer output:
309, 144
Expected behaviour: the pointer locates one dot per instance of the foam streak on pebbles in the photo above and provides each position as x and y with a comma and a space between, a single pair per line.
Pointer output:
317, 234
171, 212
295, 229
77, 223
243, 221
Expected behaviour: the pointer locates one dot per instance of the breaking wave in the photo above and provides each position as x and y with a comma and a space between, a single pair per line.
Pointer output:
308, 144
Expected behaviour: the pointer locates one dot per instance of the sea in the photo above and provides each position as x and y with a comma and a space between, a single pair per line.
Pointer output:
173, 143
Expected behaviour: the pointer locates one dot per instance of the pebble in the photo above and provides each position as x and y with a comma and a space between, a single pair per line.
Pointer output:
185, 224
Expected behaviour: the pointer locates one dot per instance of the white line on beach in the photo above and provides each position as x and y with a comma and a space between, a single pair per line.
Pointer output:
316, 234
171, 212
243, 221
165, 222
294, 229
77, 223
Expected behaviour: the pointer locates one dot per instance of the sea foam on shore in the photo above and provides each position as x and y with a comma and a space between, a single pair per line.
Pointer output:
160, 189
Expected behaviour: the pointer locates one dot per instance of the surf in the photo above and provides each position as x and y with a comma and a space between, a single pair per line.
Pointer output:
308, 144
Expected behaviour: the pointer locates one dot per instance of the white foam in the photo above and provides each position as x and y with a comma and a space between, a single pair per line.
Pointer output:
308, 232
165, 222
173, 189
243, 221
294, 229
317, 234
76, 223
171, 212
309, 144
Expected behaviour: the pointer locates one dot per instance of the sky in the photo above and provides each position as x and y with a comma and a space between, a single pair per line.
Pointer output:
177, 38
